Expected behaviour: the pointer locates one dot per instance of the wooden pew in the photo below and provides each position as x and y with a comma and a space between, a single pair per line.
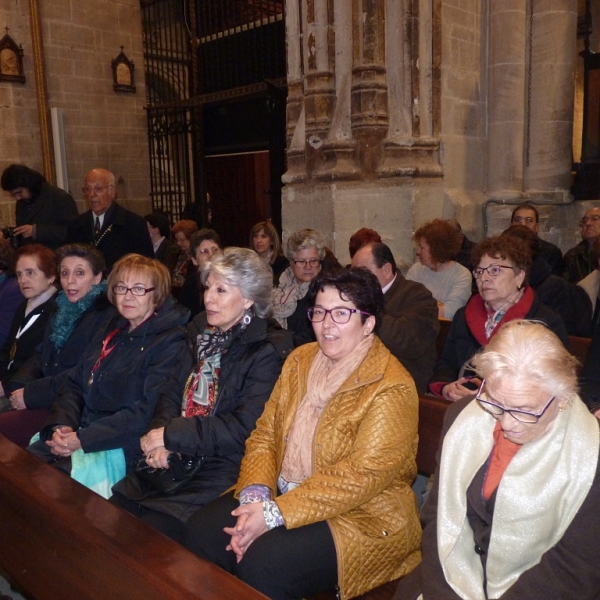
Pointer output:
60, 540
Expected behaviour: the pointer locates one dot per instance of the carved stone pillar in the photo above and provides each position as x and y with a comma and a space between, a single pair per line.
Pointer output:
506, 109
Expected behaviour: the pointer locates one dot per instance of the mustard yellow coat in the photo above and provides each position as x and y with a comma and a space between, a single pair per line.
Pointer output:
364, 452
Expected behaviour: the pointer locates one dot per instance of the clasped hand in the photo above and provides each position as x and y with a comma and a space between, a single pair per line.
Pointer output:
153, 447
64, 441
249, 526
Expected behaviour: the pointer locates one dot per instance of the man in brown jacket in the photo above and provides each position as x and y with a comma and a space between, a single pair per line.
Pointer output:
410, 316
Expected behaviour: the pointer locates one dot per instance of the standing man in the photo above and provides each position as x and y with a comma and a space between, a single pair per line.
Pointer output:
42, 210
579, 262
527, 214
410, 325
113, 229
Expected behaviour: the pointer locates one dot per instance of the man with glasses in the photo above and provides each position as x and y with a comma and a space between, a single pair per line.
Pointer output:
527, 214
578, 260
409, 325
42, 210
113, 229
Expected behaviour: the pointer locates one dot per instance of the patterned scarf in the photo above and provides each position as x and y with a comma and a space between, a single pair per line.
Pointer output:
286, 296
202, 387
68, 313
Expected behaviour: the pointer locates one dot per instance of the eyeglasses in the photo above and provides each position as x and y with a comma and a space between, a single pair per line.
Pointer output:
593, 218
207, 251
136, 290
492, 270
313, 262
519, 220
338, 315
497, 411
88, 189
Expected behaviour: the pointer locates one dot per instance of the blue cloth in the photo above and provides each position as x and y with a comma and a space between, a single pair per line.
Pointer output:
98, 471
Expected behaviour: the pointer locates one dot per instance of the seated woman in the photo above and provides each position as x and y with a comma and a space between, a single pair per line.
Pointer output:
503, 264
203, 245
235, 361
182, 232
324, 489
513, 512
108, 398
264, 240
305, 250
438, 243
82, 309
36, 274
10, 294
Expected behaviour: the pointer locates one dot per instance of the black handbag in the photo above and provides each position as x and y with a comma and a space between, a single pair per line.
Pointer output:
182, 468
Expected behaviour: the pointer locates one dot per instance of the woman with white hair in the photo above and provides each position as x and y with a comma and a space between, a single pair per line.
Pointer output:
195, 443
513, 512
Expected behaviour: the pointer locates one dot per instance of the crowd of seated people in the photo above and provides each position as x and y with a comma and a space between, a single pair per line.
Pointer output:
266, 416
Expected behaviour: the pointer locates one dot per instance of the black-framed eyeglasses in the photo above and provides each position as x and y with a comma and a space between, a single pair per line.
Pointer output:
497, 411
492, 270
136, 290
338, 315
313, 262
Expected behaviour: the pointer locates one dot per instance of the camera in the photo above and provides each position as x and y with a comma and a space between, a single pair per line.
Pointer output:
9, 234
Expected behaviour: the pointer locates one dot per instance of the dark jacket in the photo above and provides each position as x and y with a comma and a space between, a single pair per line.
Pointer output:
248, 374
589, 377
46, 369
299, 324
578, 262
115, 410
49, 212
569, 571
191, 293
409, 328
461, 343
122, 232
280, 264
10, 299
553, 256
564, 298
27, 342
167, 253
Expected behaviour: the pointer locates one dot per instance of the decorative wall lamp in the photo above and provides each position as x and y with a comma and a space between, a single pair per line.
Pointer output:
11, 60
122, 69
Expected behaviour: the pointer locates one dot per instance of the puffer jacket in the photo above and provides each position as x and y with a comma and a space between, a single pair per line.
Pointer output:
364, 463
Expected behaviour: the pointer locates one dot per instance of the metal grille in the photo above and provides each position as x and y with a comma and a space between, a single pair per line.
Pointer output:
192, 49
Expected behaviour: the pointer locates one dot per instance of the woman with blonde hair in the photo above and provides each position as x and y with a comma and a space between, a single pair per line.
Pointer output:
513, 512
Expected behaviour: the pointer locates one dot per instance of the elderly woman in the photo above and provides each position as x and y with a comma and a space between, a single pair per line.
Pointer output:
36, 274
264, 240
234, 361
513, 513
324, 489
10, 294
108, 398
182, 232
81, 309
438, 242
503, 264
305, 250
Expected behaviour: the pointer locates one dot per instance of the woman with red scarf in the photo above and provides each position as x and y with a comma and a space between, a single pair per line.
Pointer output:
503, 265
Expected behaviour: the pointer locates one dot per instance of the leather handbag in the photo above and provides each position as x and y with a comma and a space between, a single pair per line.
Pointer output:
182, 468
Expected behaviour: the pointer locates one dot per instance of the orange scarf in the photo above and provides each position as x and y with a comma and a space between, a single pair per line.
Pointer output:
502, 453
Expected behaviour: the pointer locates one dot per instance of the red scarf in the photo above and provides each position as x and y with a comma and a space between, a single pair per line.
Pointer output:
502, 453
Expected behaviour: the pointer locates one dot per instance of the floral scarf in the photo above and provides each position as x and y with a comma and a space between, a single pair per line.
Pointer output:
286, 296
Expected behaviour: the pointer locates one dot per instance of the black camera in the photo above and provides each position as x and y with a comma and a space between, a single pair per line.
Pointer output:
9, 234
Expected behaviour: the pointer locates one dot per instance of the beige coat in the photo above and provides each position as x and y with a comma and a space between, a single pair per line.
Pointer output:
364, 462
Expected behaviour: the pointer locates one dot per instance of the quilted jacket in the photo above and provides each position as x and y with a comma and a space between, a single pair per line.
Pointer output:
364, 462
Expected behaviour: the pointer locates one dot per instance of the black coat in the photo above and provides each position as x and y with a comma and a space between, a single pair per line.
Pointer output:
553, 256
50, 211
249, 370
168, 253
578, 262
122, 232
461, 344
115, 410
27, 342
46, 369
299, 324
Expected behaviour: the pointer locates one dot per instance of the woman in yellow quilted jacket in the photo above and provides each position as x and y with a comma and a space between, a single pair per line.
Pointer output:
323, 499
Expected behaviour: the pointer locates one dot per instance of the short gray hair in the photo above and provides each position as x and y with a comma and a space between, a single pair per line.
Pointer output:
528, 351
303, 239
243, 269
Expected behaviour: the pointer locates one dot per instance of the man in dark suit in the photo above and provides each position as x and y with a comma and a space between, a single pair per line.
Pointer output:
42, 210
113, 229
410, 325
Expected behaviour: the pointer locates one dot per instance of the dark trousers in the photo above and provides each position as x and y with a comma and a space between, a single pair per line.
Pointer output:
283, 564
167, 524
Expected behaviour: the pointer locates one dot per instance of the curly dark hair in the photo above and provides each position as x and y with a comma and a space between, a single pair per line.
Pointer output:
505, 247
15, 176
443, 239
356, 285
89, 253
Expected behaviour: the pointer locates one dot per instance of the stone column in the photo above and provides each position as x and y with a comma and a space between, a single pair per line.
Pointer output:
506, 108
551, 89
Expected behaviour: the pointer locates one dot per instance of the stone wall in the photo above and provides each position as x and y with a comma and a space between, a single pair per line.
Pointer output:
103, 128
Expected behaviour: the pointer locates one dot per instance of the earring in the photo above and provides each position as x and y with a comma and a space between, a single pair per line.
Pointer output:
247, 317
